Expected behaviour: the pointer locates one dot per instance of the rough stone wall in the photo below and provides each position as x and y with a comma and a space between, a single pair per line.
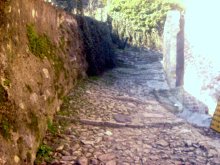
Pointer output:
98, 45
41, 58
43, 53
95, 30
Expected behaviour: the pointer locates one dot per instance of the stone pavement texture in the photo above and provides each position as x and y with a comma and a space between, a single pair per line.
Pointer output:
117, 119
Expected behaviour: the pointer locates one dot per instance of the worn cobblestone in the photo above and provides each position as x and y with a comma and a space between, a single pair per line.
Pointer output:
124, 95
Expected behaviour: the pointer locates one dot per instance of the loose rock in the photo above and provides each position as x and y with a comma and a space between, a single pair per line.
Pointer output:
106, 157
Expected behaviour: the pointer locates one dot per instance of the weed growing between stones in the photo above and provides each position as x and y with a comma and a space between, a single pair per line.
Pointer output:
43, 154
66, 110
5, 128
51, 127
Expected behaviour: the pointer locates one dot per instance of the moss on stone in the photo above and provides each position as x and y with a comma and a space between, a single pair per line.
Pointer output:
34, 121
51, 127
33, 125
5, 128
41, 46
58, 66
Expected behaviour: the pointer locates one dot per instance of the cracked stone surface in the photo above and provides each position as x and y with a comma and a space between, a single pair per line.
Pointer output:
117, 120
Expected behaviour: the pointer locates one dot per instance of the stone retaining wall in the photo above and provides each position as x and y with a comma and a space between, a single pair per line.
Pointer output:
42, 55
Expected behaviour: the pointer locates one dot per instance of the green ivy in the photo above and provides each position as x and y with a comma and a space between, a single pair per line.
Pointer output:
52, 128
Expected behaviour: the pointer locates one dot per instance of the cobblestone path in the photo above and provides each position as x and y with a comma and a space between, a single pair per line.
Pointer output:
117, 119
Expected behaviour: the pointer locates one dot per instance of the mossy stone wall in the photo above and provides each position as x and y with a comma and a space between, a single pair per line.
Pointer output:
42, 58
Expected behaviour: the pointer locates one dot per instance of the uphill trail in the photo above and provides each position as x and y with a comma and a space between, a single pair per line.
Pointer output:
120, 118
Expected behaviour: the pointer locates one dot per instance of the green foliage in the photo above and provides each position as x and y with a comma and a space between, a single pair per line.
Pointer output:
52, 128
43, 154
5, 128
104, 2
146, 17
42, 47
65, 99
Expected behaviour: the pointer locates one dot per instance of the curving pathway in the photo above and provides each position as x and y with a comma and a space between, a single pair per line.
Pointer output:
118, 119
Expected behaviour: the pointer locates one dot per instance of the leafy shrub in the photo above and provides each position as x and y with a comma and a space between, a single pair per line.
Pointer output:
145, 16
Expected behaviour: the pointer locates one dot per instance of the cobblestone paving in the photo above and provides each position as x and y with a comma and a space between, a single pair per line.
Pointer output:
116, 119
